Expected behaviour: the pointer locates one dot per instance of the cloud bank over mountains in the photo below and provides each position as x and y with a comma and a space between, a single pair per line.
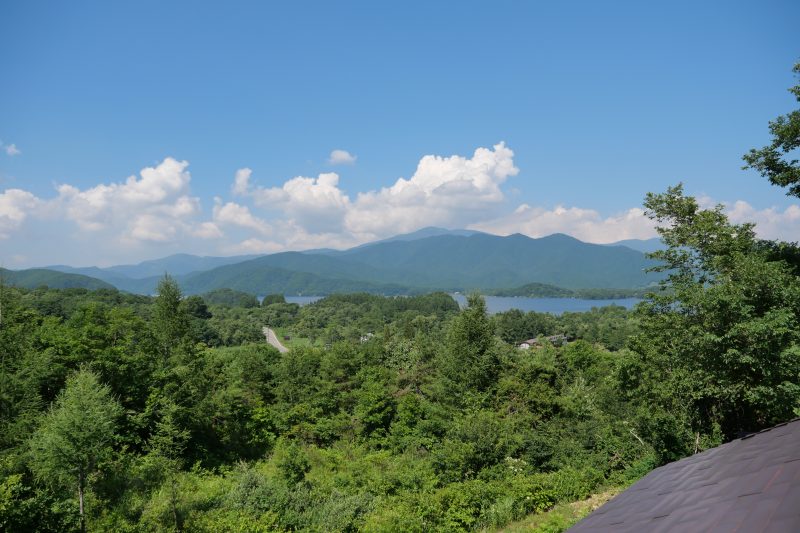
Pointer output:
155, 213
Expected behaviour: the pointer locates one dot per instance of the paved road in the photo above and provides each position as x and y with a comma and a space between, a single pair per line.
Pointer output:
273, 340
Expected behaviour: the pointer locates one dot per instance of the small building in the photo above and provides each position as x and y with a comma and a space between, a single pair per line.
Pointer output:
525, 345
555, 340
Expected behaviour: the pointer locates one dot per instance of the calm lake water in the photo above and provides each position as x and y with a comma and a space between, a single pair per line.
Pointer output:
302, 300
498, 304
556, 306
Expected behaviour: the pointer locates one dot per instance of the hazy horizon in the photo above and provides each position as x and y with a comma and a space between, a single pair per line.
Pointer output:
102, 264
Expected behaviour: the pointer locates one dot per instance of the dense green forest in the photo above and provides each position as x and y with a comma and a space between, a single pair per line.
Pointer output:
134, 413
173, 413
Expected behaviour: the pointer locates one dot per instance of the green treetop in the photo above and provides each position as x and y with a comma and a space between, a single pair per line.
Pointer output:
771, 160
719, 352
170, 319
75, 434
470, 358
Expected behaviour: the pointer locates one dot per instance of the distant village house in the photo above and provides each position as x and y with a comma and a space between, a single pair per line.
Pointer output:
555, 340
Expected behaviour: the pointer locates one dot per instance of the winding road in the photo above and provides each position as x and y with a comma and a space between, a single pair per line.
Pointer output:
273, 340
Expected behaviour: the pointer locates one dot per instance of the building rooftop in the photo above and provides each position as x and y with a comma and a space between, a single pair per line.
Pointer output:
749, 484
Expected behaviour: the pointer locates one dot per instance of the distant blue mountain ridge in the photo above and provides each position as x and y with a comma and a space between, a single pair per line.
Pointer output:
425, 260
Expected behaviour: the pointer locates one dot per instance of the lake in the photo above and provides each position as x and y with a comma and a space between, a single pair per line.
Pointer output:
302, 300
498, 304
556, 306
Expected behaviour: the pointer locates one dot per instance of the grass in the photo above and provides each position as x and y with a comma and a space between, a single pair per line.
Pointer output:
562, 516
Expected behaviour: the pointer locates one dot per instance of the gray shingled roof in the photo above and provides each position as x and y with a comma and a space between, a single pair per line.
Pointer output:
749, 484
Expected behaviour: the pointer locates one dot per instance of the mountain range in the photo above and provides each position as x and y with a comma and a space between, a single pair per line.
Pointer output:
647, 246
429, 259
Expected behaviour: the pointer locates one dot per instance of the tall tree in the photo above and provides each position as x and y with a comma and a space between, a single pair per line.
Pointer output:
470, 357
170, 319
167, 446
720, 349
76, 433
771, 161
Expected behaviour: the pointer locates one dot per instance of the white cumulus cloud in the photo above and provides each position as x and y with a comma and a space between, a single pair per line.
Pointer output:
150, 227
241, 181
207, 230
155, 206
445, 191
316, 204
15, 206
341, 157
771, 223
449, 191
238, 215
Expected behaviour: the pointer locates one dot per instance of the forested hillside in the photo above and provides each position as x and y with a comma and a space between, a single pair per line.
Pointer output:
37, 277
543, 290
430, 259
439, 262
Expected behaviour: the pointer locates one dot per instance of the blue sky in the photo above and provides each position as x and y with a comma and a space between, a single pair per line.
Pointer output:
596, 104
